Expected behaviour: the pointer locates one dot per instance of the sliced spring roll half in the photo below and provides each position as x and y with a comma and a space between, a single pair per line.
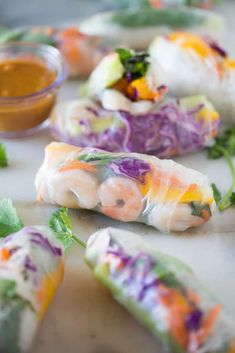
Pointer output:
81, 52
31, 269
136, 27
195, 64
174, 127
161, 292
125, 186
127, 80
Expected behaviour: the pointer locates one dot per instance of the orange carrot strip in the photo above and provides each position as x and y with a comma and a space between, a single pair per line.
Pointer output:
75, 164
144, 92
231, 346
71, 51
121, 85
4, 254
206, 215
47, 288
156, 3
209, 322
178, 308
71, 32
178, 329
193, 296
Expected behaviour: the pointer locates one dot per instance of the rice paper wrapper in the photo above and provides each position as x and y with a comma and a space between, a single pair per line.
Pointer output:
126, 187
161, 292
173, 127
147, 22
195, 64
31, 270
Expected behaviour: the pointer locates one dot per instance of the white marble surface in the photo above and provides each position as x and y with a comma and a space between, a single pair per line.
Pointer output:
83, 318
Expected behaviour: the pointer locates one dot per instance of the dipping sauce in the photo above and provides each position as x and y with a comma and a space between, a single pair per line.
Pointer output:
30, 76
24, 76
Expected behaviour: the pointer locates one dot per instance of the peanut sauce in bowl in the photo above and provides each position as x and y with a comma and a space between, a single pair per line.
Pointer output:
30, 76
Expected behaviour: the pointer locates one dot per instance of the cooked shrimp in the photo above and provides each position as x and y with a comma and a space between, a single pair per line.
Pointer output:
77, 190
120, 199
126, 187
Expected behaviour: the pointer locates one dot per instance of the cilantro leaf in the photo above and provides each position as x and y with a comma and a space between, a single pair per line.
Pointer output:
10, 324
225, 142
217, 194
39, 38
198, 209
124, 54
215, 152
224, 146
12, 307
232, 199
61, 226
11, 35
136, 64
98, 159
3, 157
7, 289
9, 220
176, 18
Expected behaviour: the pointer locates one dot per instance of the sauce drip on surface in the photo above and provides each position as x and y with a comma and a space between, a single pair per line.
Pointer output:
24, 76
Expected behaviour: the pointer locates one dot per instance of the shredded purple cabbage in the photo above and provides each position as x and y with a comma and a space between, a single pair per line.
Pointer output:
29, 265
128, 77
131, 167
39, 239
135, 94
168, 132
7, 239
14, 250
140, 281
137, 272
215, 46
194, 320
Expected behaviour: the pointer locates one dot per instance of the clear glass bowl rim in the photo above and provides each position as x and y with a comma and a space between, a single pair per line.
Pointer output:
61, 69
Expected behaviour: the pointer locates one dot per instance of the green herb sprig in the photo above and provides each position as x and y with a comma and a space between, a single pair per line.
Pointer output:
3, 157
136, 64
61, 225
198, 209
224, 146
98, 159
9, 220
26, 35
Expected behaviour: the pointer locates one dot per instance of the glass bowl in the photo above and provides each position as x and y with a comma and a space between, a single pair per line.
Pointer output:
24, 115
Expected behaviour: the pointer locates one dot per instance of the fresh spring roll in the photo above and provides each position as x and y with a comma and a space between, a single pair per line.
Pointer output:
205, 4
194, 64
173, 127
125, 186
161, 292
81, 52
30, 272
137, 27
128, 112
